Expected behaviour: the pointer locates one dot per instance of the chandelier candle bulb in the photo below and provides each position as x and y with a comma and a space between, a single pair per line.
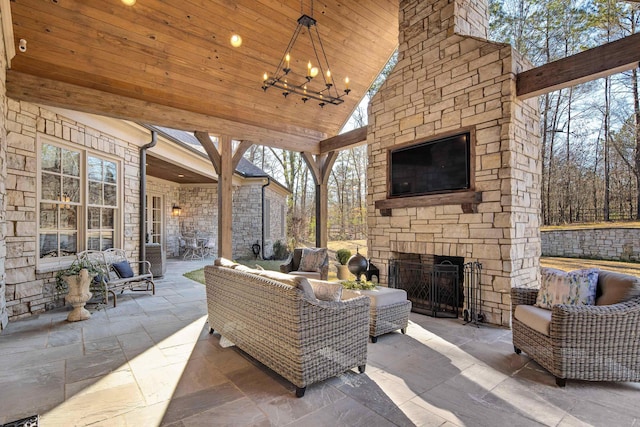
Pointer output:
328, 77
309, 69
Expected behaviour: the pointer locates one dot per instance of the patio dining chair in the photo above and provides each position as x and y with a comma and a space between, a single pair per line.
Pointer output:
209, 248
191, 249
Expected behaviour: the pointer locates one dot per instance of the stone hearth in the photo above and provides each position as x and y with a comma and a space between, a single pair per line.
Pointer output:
450, 78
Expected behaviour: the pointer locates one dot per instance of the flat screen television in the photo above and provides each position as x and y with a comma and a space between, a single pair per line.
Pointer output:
431, 167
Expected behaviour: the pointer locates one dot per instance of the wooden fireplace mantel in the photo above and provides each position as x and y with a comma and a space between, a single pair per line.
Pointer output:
468, 199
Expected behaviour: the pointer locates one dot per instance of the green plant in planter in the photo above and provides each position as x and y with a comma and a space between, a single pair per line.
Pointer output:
73, 270
358, 286
343, 255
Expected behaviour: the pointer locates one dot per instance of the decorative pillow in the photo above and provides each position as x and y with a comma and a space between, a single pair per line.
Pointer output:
617, 287
574, 288
326, 291
223, 262
244, 268
312, 259
123, 269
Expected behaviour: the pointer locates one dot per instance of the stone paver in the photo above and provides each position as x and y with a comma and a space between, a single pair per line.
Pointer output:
137, 365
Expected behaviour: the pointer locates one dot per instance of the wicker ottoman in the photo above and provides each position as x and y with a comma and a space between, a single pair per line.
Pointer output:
389, 310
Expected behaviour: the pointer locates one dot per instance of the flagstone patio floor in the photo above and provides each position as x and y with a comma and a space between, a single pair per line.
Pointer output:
151, 361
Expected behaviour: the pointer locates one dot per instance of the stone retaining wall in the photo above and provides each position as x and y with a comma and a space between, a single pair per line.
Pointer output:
619, 244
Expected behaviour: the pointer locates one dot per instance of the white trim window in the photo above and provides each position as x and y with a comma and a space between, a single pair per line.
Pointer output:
78, 201
155, 207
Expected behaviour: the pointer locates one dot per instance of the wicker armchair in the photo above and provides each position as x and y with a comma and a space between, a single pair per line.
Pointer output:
585, 342
292, 266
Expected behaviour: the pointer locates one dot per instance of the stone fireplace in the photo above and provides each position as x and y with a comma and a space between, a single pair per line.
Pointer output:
450, 79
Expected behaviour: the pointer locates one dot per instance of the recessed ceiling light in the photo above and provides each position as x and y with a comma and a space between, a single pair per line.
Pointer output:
236, 40
180, 175
129, 2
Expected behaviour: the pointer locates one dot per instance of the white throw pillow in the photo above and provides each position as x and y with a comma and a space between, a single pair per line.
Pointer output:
326, 291
574, 288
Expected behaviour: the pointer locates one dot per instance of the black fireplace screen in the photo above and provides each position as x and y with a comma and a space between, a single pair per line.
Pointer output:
434, 289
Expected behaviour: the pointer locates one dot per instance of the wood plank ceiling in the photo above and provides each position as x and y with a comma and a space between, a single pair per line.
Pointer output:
170, 62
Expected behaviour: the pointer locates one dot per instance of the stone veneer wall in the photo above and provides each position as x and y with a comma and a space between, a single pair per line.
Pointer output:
277, 221
199, 203
446, 79
618, 244
247, 216
28, 291
4, 314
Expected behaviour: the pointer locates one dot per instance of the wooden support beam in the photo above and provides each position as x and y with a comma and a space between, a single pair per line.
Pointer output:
25, 87
225, 198
320, 167
310, 160
240, 150
344, 140
210, 148
611, 58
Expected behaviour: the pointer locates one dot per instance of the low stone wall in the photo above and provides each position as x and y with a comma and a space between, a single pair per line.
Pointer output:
621, 244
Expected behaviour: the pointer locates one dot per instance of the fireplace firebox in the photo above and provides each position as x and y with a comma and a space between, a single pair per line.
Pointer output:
434, 288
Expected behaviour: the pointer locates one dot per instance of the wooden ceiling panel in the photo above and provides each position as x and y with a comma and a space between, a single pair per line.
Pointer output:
171, 172
177, 54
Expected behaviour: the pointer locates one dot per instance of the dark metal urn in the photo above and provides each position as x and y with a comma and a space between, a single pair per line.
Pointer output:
357, 265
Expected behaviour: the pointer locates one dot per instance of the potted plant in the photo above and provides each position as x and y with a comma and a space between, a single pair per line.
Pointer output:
76, 281
343, 255
355, 285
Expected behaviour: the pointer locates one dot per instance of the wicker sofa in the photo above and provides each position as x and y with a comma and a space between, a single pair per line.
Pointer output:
586, 342
277, 319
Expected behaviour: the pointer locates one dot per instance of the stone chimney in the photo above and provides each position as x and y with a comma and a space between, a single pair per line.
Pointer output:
449, 78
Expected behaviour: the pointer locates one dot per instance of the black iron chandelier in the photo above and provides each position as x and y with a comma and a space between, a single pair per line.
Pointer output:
318, 83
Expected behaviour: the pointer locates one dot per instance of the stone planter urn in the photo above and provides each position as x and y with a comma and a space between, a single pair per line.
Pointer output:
343, 272
78, 295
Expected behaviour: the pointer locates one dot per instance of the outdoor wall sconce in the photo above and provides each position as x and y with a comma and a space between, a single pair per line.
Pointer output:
176, 210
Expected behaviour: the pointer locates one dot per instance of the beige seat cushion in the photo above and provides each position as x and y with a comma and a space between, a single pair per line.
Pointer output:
380, 296
538, 319
287, 279
617, 287
307, 274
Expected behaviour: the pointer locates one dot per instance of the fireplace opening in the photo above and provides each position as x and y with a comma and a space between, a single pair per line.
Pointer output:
434, 284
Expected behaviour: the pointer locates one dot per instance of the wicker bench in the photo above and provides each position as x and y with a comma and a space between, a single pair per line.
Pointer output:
112, 280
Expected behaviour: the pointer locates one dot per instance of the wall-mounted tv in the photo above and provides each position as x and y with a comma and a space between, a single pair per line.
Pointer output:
430, 167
